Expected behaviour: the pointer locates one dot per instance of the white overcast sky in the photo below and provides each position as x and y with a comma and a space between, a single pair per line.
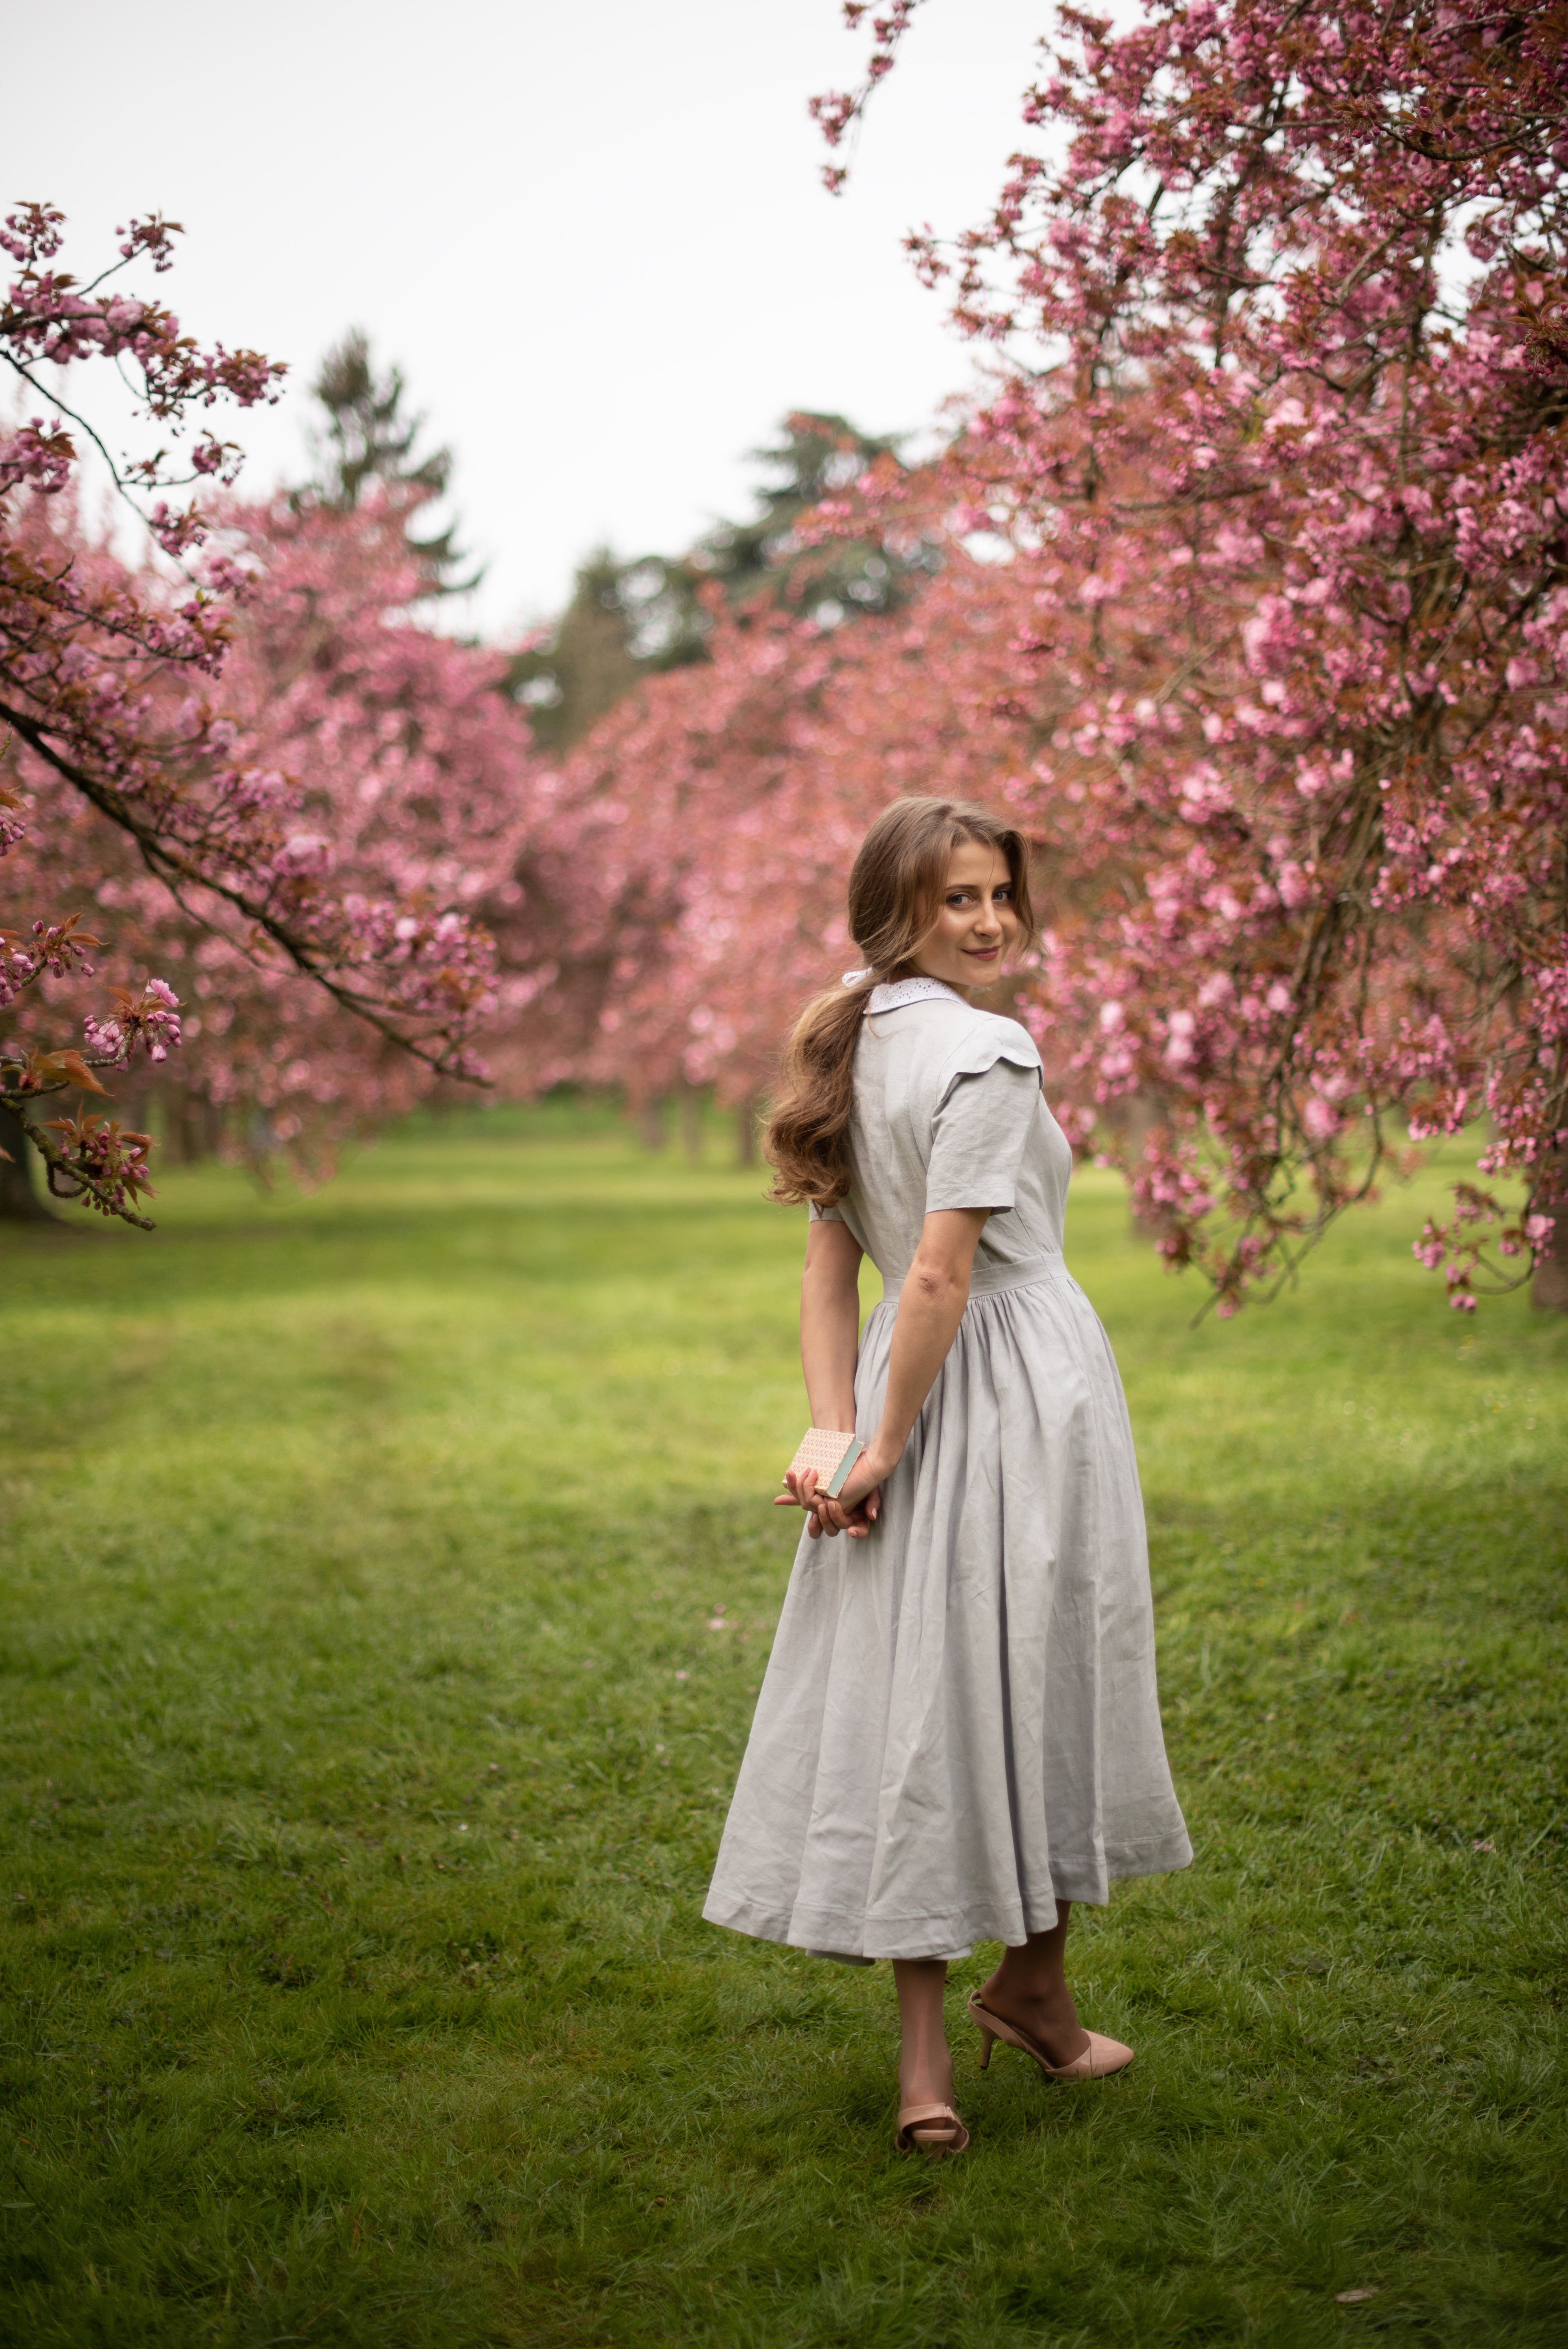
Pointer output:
593, 235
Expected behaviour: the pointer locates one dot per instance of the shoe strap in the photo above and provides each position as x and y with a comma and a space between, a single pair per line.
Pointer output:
1017, 2036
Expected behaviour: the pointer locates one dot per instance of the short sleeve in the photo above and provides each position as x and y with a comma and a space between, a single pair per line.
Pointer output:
984, 1114
815, 1215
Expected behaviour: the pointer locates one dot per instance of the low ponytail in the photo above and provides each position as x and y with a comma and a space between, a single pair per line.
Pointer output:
895, 885
807, 1142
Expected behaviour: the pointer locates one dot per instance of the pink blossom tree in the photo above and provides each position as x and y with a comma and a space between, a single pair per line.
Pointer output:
1275, 450
108, 696
409, 765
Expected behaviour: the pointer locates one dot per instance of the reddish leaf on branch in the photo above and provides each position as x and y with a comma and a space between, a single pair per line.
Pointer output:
106, 1160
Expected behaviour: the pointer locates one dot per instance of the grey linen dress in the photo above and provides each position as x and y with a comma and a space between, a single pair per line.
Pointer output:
959, 1725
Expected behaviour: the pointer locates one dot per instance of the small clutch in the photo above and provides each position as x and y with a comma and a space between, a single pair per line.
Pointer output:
832, 1452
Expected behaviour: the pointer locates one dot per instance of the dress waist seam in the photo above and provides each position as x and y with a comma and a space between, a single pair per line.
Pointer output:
991, 1280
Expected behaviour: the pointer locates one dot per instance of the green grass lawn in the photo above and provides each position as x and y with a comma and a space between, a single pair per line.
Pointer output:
368, 1735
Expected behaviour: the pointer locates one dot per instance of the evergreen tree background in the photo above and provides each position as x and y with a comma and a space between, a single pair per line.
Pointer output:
628, 620
366, 436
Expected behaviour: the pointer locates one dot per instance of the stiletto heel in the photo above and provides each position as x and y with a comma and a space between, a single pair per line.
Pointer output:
1101, 2057
936, 2129
988, 2041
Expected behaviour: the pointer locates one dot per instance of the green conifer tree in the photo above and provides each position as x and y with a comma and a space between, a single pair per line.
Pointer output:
366, 436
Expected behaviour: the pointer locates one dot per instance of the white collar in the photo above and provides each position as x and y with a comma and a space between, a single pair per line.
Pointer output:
893, 995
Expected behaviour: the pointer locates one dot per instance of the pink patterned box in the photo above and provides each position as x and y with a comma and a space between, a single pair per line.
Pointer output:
832, 1452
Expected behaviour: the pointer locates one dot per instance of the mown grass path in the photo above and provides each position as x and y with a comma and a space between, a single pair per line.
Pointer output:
387, 1577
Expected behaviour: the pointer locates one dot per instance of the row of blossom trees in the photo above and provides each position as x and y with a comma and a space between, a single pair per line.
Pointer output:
1252, 604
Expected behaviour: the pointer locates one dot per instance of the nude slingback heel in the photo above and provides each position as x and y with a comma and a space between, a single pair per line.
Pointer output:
936, 2129
1098, 2058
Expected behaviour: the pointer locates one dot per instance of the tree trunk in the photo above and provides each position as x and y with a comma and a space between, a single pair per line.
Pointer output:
651, 1122
186, 1129
1549, 1288
745, 1133
1135, 1117
693, 1101
20, 1199
134, 1110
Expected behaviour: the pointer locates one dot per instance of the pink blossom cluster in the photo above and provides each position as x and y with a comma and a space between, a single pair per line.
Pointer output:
1456, 1249
150, 1020
59, 948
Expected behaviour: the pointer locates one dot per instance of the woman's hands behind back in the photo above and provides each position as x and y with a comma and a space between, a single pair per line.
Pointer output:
930, 1307
855, 1512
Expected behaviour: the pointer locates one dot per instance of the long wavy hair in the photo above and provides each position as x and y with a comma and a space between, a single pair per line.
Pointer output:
895, 888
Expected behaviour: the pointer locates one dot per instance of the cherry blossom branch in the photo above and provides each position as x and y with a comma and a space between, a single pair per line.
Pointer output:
98, 1162
444, 966
836, 112
96, 670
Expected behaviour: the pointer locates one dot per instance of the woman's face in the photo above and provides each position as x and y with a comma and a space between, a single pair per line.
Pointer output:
976, 922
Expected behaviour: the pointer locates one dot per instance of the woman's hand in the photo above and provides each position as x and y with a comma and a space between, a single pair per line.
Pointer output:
855, 1511
860, 1503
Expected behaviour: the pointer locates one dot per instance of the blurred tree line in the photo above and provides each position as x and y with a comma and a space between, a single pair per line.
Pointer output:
631, 618
626, 618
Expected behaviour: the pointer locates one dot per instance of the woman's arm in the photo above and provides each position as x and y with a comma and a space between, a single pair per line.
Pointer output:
830, 1322
929, 1306
829, 1344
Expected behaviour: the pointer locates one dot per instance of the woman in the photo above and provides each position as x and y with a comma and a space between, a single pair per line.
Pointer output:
958, 1735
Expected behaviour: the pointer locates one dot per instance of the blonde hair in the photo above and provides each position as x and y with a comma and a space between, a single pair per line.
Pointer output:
895, 884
